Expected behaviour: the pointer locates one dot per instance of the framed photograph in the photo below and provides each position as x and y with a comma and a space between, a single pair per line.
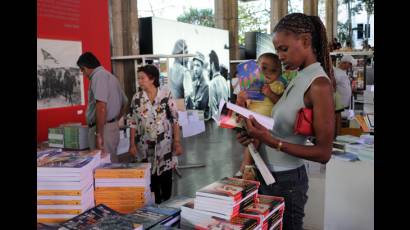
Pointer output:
59, 81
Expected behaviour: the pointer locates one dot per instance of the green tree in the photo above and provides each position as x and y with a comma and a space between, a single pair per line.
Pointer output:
353, 7
203, 17
369, 7
342, 32
249, 21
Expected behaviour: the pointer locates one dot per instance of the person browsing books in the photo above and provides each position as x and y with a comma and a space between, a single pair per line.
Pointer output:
107, 103
271, 67
300, 41
154, 130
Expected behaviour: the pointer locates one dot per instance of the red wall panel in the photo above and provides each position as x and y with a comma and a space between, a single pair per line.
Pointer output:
78, 20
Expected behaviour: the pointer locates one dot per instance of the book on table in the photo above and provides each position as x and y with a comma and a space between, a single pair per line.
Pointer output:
221, 208
269, 209
229, 189
89, 217
237, 223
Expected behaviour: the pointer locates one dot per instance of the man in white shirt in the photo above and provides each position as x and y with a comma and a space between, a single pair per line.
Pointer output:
343, 88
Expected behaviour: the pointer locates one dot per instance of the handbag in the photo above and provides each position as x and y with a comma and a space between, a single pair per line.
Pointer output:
304, 122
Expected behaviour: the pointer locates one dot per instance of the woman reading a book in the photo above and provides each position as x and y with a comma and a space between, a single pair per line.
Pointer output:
154, 130
272, 89
300, 41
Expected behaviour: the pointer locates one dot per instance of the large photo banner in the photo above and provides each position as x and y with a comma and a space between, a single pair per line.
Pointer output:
59, 81
201, 80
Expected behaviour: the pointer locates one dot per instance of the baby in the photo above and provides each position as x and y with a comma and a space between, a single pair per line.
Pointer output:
273, 89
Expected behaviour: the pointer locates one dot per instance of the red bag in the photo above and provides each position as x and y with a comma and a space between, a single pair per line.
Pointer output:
304, 122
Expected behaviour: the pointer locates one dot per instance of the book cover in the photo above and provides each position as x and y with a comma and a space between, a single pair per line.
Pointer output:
147, 218
264, 205
251, 79
89, 217
260, 164
123, 170
64, 162
41, 226
114, 222
229, 119
231, 189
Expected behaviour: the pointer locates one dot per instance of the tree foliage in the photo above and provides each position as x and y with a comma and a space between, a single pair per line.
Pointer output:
250, 22
203, 17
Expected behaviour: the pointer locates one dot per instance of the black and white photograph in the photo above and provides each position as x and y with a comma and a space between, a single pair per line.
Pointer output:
59, 81
202, 80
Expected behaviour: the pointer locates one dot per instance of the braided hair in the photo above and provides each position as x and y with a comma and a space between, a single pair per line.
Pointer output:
299, 23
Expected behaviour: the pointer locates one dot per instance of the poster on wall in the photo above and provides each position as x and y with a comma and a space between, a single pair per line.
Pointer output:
202, 80
59, 81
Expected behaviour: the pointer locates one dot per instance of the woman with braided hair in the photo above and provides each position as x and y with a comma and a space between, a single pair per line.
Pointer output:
300, 42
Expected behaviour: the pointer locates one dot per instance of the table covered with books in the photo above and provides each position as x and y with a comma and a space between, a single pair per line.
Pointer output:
81, 190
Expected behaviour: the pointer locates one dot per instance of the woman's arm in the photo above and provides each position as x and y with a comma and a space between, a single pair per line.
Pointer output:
320, 96
176, 140
132, 123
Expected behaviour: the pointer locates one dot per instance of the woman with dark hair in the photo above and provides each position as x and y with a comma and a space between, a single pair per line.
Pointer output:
154, 130
300, 42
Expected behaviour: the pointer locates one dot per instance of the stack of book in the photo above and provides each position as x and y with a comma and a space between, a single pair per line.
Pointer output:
64, 184
76, 137
238, 222
56, 137
268, 209
223, 199
123, 187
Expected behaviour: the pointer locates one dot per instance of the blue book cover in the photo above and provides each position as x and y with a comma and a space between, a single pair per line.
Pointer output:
251, 79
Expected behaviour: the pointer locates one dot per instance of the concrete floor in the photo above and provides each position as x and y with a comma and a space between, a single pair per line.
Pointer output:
218, 149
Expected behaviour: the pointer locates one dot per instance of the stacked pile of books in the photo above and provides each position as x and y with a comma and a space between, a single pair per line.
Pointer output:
76, 137
72, 136
64, 184
56, 137
268, 209
221, 200
123, 187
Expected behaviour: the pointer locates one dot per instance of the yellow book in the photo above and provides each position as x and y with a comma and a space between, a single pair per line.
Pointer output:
119, 175
59, 211
56, 202
51, 220
59, 192
119, 202
121, 197
121, 189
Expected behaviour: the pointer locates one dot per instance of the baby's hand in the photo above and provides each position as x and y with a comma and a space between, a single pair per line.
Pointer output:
266, 90
241, 99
